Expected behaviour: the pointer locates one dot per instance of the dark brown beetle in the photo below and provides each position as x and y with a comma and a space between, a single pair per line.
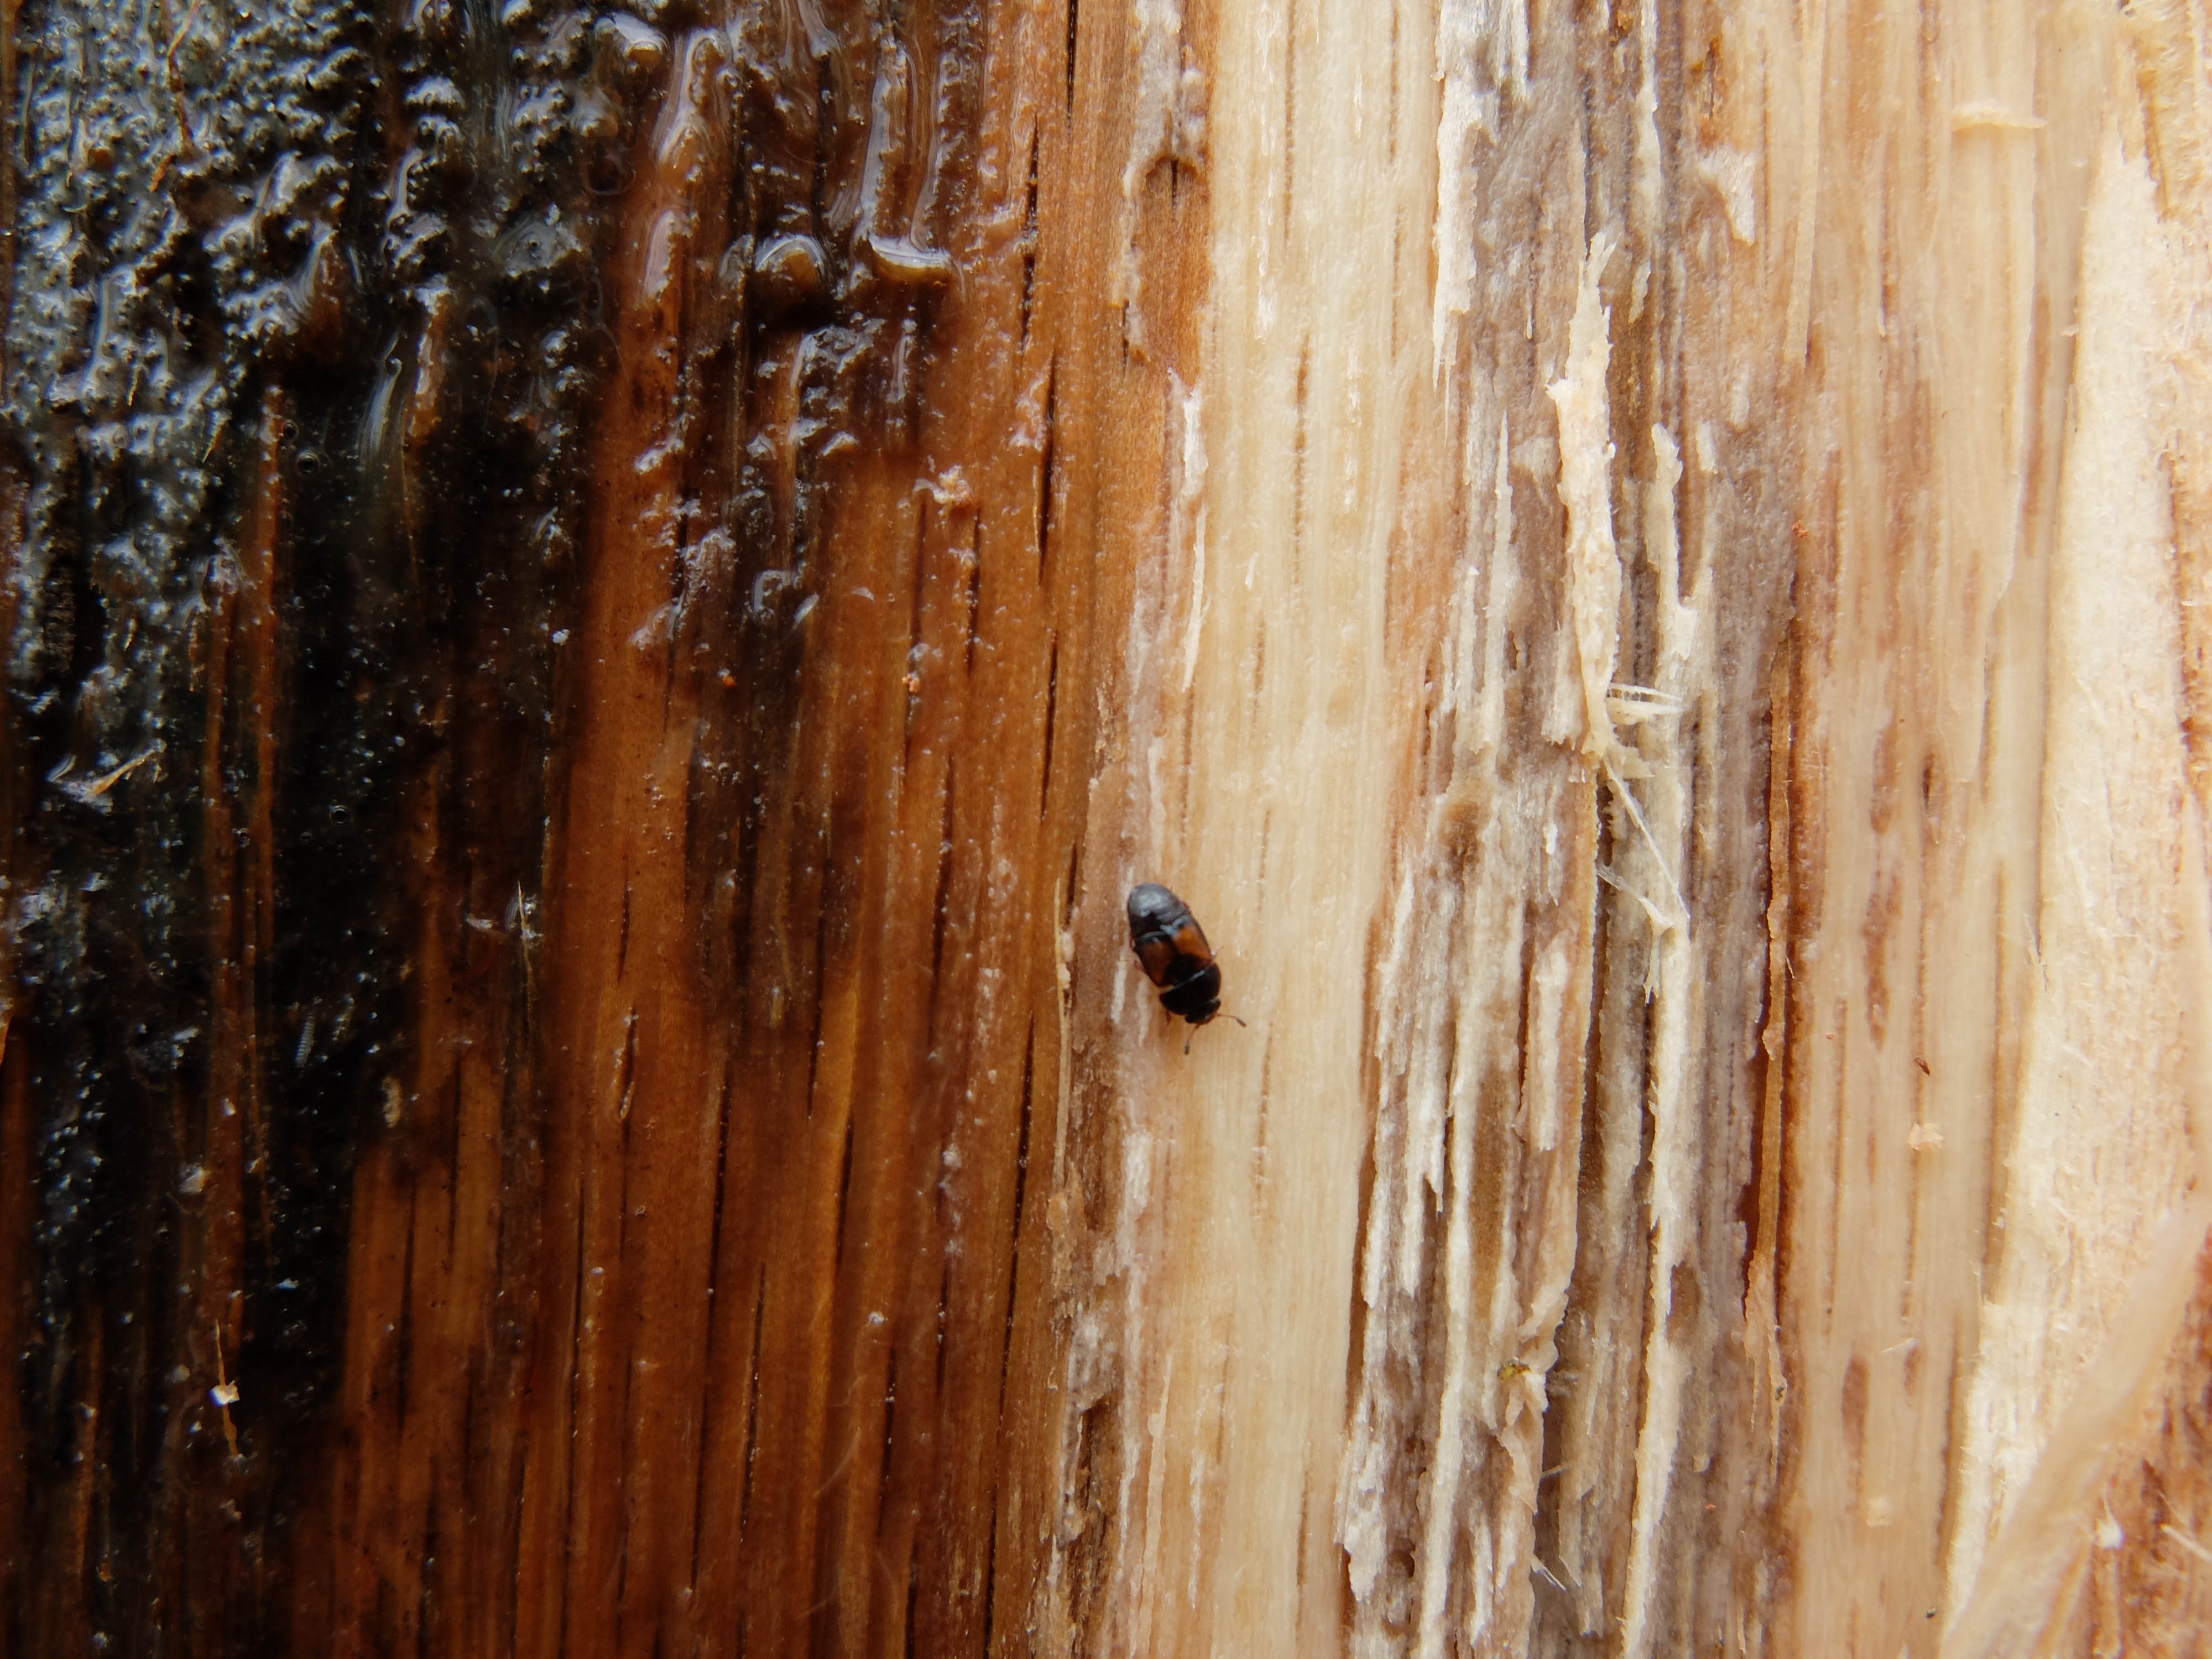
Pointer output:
1172, 947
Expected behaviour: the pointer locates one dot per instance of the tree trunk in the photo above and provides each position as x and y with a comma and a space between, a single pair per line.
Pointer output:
604, 608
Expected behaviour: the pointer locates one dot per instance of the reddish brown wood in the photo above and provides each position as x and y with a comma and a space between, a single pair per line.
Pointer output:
697, 1293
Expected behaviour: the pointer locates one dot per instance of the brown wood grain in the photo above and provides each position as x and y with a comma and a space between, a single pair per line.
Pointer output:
696, 1299
693, 1291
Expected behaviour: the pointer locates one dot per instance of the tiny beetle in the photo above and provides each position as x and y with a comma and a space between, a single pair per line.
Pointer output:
1172, 947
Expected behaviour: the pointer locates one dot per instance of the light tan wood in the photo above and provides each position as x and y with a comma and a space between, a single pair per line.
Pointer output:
1671, 679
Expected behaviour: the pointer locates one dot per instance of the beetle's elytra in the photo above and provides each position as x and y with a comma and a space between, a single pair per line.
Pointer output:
1172, 947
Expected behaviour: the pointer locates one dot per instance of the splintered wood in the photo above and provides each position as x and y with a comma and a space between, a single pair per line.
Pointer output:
1675, 658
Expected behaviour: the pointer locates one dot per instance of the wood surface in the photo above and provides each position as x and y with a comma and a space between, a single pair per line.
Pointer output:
604, 606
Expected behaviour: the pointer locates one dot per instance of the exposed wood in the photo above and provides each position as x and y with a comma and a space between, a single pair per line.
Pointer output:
604, 608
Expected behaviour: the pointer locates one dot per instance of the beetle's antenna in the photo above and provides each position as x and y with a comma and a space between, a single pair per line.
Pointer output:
1239, 1018
1186, 1041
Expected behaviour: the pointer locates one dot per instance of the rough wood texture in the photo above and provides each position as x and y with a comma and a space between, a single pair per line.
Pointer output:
603, 608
